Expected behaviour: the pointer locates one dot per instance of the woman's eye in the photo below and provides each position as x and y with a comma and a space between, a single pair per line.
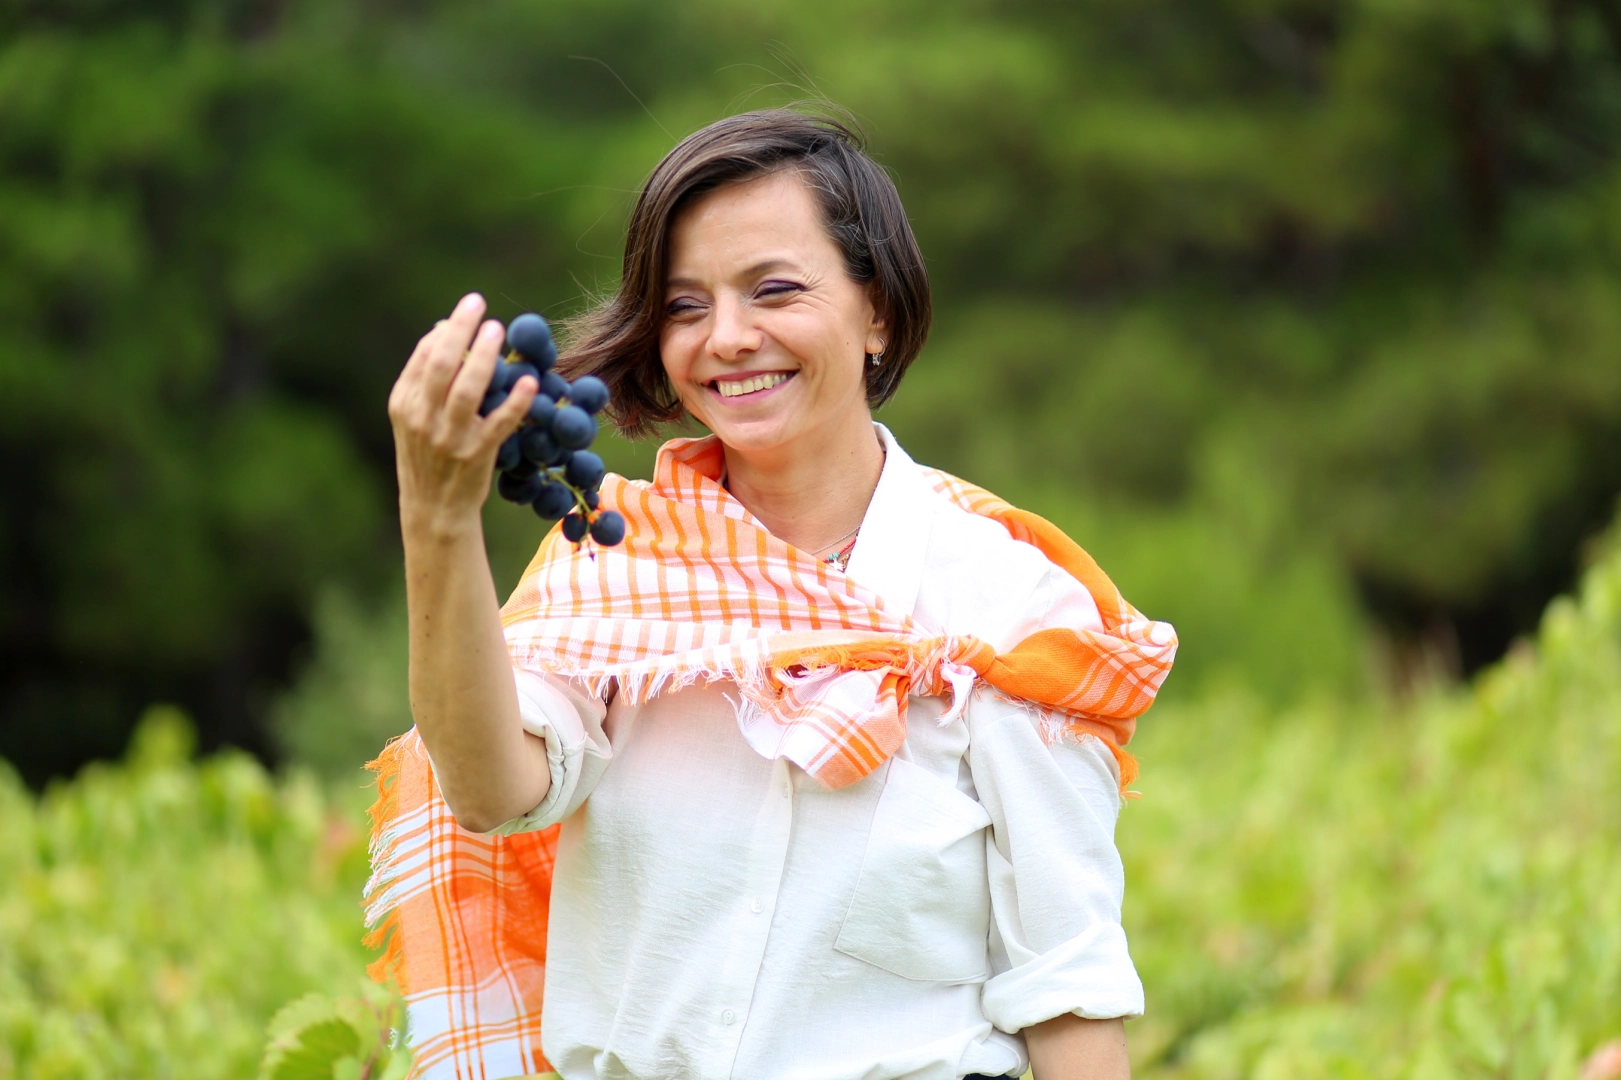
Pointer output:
777, 288
681, 307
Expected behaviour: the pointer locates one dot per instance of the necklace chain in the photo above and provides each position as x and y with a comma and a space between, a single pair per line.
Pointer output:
840, 540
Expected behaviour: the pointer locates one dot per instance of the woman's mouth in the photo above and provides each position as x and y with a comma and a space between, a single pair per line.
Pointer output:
750, 384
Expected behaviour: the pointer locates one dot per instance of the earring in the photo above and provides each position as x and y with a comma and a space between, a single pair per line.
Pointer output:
878, 357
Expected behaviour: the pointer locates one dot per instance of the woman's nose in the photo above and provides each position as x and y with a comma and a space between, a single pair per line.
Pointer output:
732, 333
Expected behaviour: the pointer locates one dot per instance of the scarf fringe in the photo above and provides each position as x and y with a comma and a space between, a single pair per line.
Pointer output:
761, 675
1056, 726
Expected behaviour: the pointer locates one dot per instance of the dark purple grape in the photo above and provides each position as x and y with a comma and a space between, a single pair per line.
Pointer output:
575, 527
554, 386
584, 469
589, 393
538, 446
608, 529
525, 467
553, 501
510, 454
518, 488
541, 409
509, 374
573, 427
530, 335
492, 401
592, 499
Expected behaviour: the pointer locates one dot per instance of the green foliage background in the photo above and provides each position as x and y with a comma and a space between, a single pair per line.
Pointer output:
1303, 316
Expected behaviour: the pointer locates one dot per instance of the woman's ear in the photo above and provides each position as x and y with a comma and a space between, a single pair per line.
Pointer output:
877, 335
878, 331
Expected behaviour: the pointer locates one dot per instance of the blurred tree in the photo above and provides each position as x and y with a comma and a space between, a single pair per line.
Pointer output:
222, 227
1365, 255
1290, 308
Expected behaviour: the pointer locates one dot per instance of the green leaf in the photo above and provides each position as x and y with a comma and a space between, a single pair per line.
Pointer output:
307, 1038
320, 1047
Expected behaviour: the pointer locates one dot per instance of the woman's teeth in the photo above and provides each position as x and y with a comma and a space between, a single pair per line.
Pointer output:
749, 386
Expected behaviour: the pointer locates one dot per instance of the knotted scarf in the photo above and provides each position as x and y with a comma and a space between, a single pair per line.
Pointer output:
698, 592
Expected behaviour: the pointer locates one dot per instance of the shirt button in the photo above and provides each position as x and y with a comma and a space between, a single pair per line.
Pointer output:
728, 1016
755, 905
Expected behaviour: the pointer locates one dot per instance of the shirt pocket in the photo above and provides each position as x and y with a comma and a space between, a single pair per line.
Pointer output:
922, 901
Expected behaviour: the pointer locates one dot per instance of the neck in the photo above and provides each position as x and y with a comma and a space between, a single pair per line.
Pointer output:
811, 496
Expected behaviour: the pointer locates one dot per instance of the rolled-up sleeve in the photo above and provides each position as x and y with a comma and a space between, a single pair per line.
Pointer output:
570, 722
1056, 880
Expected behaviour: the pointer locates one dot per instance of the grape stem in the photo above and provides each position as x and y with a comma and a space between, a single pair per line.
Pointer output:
590, 515
556, 473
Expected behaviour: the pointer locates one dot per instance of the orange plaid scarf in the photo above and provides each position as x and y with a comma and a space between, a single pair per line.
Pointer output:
700, 591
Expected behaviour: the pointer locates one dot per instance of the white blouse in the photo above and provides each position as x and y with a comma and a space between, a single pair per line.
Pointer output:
715, 914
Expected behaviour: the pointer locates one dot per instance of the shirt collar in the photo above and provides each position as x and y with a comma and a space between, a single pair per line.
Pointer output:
888, 556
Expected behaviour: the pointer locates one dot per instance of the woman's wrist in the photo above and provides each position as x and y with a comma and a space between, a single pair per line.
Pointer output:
437, 525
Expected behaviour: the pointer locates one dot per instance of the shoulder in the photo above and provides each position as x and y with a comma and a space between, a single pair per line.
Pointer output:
980, 547
979, 580
924, 551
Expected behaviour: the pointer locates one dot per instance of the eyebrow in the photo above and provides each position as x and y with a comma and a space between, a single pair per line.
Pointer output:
763, 267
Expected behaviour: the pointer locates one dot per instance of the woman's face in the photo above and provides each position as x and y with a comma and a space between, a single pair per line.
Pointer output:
765, 336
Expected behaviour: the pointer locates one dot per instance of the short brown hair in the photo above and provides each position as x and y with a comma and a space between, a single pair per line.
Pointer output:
618, 339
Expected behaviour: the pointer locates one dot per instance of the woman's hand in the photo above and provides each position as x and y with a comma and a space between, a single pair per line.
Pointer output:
444, 452
463, 698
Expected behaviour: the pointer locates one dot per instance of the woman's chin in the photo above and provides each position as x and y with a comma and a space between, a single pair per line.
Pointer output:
763, 435
754, 422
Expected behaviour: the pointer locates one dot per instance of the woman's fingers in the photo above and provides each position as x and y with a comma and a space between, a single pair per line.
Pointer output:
450, 343
473, 379
404, 392
444, 448
510, 416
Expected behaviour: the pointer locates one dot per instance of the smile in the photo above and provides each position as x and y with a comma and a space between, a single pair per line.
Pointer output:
731, 388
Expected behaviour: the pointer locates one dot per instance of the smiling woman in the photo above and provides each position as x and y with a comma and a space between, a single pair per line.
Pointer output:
770, 353
817, 773
857, 213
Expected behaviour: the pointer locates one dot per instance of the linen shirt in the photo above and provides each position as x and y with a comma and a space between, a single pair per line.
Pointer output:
716, 914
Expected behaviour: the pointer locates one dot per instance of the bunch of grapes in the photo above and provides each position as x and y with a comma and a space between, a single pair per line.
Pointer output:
545, 464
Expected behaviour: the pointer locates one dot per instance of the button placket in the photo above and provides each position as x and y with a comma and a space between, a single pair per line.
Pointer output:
768, 855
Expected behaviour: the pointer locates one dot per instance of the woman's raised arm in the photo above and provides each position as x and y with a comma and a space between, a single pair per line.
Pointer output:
463, 697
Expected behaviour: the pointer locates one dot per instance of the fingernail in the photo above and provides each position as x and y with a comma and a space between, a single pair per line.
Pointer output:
468, 302
489, 330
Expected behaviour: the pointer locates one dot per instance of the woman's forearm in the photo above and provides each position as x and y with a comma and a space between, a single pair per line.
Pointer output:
463, 697
1070, 1048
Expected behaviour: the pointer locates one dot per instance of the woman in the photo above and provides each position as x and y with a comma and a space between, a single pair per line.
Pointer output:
833, 740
